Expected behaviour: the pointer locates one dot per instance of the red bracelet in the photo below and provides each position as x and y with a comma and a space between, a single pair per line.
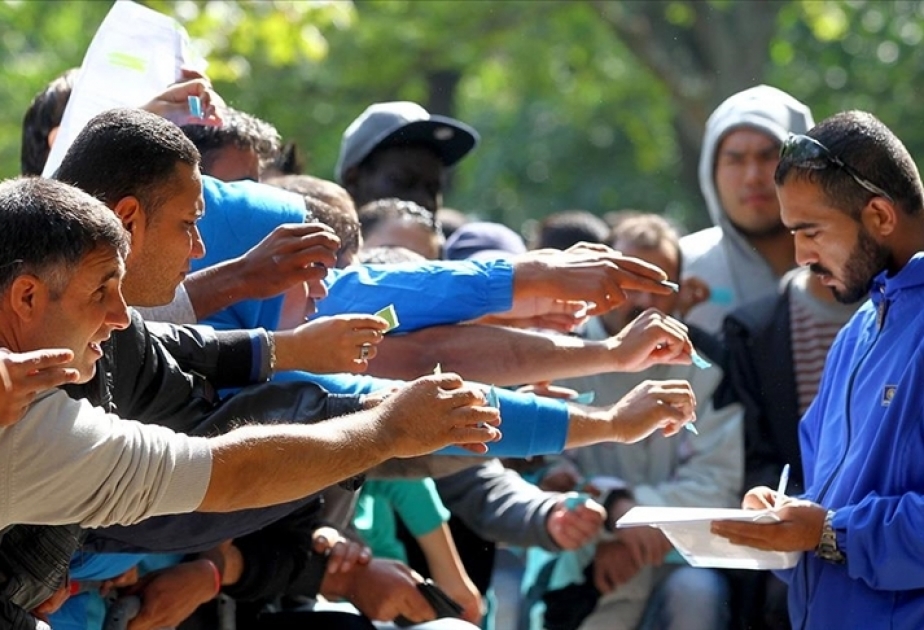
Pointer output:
216, 574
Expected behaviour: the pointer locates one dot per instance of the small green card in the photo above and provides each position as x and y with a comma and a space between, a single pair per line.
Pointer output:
389, 315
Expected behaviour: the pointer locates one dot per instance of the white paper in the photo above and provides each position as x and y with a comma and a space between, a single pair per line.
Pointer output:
688, 530
134, 56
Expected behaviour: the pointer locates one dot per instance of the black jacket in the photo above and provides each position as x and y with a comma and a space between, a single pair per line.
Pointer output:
759, 343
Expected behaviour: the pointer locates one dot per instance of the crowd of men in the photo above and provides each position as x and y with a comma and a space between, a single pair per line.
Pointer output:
185, 425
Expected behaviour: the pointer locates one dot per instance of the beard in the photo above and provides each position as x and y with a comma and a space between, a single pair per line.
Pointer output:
865, 261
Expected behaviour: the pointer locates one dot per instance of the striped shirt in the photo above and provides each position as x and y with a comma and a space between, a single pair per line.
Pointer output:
814, 323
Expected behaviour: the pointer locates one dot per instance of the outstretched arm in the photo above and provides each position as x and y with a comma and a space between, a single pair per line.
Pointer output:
507, 356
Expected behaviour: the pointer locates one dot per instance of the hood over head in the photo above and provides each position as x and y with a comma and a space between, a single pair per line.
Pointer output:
762, 107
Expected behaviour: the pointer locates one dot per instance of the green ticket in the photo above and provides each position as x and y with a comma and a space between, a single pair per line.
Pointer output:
389, 315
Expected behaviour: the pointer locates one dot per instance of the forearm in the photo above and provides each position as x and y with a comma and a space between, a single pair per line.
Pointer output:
491, 354
257, 466
442, 556
455, 291
499, 505
587, 425
217, 287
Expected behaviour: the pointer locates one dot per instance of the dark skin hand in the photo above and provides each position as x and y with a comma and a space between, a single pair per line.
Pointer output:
799, 528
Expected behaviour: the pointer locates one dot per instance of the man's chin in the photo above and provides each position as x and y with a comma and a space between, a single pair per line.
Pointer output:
86, 374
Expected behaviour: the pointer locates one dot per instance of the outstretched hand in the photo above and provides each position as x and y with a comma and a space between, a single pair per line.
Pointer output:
436, 411
651, 406
586, 273
25, 375
341, 343
650, 339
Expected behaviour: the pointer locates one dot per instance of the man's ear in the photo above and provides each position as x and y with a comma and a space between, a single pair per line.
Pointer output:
131, 214
350, 176
880, 217
27, 295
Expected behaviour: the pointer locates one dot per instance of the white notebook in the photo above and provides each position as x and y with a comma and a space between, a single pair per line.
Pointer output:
688, 530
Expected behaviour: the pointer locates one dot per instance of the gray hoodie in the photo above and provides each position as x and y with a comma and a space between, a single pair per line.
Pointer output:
721, 256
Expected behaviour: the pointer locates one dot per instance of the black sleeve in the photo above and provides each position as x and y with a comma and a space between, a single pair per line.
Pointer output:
762, 458
138, 378
12, 617
225, 358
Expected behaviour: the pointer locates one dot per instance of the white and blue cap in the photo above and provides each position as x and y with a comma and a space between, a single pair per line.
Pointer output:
403, 123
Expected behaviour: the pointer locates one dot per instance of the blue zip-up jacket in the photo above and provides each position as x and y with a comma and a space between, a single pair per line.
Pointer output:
863, 452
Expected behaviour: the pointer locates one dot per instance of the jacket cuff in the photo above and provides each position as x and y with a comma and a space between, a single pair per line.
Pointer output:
241, 356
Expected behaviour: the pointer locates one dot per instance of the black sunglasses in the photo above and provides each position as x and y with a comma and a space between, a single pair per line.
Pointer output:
807, 152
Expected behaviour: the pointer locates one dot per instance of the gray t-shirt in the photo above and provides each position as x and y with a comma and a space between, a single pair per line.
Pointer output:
67, 462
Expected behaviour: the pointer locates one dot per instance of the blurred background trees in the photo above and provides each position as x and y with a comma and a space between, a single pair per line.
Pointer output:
594, 104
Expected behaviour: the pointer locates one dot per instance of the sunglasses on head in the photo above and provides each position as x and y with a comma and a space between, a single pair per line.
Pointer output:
807, 152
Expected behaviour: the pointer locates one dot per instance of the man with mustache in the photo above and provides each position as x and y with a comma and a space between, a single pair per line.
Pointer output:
852, 197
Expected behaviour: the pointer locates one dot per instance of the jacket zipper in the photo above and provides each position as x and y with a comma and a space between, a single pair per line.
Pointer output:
881, 313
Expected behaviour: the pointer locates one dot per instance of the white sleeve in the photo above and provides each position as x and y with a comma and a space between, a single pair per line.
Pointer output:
69, 462
180, 311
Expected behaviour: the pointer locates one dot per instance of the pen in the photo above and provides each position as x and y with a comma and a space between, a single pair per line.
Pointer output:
781, 489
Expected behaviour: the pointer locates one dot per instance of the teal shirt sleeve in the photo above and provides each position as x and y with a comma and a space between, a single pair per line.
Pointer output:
417, 503
424, 294
531, 425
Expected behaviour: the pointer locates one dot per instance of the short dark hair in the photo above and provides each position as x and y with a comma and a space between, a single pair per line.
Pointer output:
561, 230
866, 145
328, 203
327, 191
648, 231
288, 161
127, 152
377, 212
48, 227
44, 114
239, 130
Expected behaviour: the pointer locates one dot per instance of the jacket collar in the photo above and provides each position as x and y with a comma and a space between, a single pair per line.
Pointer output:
908, 277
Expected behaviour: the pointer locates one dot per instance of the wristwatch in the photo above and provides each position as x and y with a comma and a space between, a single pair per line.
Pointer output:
827, 547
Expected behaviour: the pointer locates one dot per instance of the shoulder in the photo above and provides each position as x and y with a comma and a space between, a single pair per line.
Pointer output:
700, 245
755, 317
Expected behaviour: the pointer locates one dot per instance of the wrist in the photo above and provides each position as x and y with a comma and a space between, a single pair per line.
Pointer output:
613, 348
526, 272
285, 350
827, 547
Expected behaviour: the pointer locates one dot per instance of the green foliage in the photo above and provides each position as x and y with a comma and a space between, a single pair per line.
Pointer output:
570, 111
